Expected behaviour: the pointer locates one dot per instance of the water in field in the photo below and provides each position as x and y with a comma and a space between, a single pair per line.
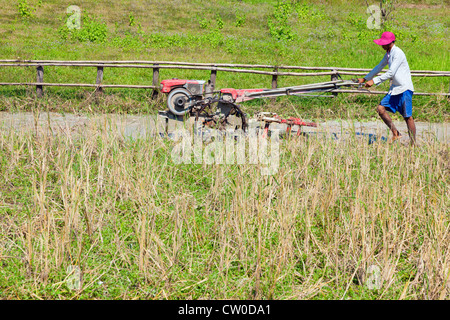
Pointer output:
135, 126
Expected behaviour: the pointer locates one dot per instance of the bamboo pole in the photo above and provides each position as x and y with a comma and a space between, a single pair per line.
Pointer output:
78, 62
308, 74
76, 85
142, 62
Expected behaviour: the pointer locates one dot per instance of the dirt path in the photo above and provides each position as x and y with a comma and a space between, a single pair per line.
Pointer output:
135, 125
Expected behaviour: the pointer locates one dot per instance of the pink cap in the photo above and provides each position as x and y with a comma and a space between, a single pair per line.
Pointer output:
386, 38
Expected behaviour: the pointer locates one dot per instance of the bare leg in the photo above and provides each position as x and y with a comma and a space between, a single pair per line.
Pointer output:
411, 129
388, 121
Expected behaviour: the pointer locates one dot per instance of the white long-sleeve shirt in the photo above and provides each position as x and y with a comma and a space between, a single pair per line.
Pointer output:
398, 71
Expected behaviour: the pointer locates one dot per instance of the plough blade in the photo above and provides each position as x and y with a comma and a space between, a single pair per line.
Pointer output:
271, 117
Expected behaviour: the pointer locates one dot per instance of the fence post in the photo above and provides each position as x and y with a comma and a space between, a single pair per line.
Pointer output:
40, 79
99, 80
209, 88
213, 77
155, 81
275, 78
334, 77
274, 82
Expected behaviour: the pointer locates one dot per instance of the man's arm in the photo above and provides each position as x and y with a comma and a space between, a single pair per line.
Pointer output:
383, 63
397, 60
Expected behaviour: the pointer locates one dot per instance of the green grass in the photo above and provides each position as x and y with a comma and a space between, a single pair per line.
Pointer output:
139, 226
332, 34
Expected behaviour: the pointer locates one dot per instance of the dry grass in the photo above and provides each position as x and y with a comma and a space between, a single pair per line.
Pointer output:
139, 226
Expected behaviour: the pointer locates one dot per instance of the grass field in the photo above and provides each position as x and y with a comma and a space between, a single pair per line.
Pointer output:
270, 32
141, 227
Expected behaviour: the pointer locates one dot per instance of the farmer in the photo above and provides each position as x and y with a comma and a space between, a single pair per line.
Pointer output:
399, 97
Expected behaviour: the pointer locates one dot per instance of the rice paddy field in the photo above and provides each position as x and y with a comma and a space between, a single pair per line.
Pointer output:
92, 214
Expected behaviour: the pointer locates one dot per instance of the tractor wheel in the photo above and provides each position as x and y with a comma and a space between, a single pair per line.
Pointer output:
180, 101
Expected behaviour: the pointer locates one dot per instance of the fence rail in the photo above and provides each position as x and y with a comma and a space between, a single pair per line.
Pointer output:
334, 72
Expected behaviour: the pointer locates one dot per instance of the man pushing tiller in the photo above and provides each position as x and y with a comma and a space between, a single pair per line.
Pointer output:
399, 97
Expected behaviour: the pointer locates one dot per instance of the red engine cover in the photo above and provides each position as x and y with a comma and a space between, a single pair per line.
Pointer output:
168, 85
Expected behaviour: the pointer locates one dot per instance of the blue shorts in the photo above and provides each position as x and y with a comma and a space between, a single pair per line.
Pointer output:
400, 102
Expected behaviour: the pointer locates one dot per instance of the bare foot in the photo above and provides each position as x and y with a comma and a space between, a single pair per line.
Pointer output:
395, 137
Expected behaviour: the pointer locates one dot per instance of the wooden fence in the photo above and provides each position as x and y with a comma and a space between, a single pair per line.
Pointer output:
275, 72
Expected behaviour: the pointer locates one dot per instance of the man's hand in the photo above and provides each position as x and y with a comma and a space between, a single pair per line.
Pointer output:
361, 80
369, 83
